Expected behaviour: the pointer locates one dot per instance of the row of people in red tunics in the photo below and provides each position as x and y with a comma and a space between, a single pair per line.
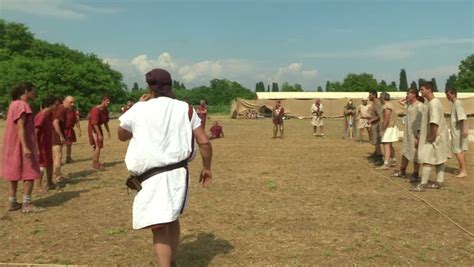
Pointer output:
33, 145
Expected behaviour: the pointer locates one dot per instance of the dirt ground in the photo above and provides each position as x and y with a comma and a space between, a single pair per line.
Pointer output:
296, 201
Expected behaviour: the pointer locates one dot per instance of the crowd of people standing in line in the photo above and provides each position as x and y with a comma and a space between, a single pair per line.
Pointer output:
33, 145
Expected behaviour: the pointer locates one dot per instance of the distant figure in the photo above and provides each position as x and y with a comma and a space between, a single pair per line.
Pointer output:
459, 131
201, 111
317, 112
20, 157
72, 120
127, 107
277, 115
98, 116
216, 131
44, 128
349, 120
433, 148
363, 115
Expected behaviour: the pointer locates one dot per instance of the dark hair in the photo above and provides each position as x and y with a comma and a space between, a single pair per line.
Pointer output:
413, 91
21, 88
420, 99
373, 92
50, 100
427, 85
385, 96
104, 97
452, 91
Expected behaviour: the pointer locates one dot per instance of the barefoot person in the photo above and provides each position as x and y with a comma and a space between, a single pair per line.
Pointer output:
277, 115
72, 120
349, 120
459, 131
375, 121
44, 128
363, 116
58, 138
411, 135
98, 116
20, 157
434, 140
161, 131
317, 112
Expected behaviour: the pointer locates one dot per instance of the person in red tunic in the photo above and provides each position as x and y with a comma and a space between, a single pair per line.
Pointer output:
44, 128
216, 131
59, 138
19, 157
98, 116
127, 107
201, 111
72, 120
277, 115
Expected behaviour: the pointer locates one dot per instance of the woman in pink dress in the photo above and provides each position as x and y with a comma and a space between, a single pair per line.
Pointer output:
20, 158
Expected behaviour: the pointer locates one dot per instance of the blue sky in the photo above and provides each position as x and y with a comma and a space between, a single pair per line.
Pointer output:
308, 42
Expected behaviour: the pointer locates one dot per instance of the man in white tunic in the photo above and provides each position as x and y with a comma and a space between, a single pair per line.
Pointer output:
459, 131
388, 130
414, 113
434, 140
317, 117
161, 131
363, 115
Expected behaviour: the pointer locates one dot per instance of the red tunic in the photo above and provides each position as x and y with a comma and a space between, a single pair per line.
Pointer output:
97, 117
202, 114
44, 126
278, 115
71, 120
216, 131
59, 114
14, 165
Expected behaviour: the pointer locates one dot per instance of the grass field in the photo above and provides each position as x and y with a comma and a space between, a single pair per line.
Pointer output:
297, 201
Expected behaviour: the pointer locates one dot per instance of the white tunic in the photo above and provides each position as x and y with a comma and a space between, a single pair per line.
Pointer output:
459, 143
162, 135
317, 118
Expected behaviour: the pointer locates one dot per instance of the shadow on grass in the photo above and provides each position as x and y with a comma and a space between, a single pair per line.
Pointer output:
201, 250
58, 198
80, 174
113, 163
450, 170
79, 160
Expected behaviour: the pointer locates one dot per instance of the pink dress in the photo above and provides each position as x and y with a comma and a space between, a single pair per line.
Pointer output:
15, 166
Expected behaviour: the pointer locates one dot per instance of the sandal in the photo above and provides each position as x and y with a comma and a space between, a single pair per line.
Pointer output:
30, 208
399, 174
383, 167
419, 188
14, 206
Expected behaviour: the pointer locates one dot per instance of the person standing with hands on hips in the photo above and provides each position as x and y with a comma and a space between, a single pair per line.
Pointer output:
162, 133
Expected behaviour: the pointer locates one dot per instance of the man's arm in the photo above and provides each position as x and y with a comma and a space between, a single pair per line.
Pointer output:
386, 118
106, 125
20, 124
57, 129
123, 135
433, 131
205, 149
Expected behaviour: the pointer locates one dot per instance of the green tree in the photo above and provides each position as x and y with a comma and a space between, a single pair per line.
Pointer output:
435, 86
465, 79
403, 80
135, 87
259, 87
451, 81
420, 81
320, 89
275, 87
328, 84
268, 87
393, 86
413, 85
359, 82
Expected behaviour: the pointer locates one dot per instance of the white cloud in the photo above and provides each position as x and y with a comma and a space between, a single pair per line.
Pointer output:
142, 63
200, 72
294, 73
394, 51
63, 9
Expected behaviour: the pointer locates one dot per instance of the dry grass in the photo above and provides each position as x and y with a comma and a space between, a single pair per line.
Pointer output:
293, 202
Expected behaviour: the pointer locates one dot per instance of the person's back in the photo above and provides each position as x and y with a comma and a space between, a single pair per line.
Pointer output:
162, 133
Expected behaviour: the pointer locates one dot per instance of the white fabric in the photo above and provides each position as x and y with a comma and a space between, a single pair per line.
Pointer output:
162, 135
390, 135
458, 117
317, 115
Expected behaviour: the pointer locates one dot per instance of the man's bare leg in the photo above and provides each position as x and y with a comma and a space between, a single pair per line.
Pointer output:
57, 159
174, 231
462, 164
162, 245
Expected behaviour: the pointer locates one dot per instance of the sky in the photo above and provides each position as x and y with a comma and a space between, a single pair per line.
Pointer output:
305, 42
